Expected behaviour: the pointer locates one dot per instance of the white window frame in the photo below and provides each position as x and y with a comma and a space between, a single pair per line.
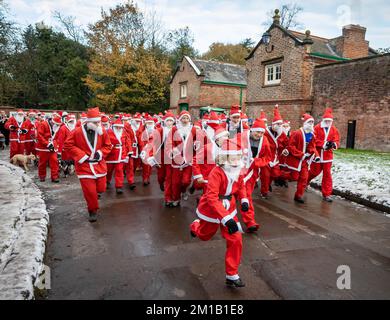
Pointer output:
183, 90
271, 72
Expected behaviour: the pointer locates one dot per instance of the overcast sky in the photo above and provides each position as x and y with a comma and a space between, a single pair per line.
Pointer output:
224, 20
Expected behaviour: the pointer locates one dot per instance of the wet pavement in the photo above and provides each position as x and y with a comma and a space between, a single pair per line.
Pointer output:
140, 250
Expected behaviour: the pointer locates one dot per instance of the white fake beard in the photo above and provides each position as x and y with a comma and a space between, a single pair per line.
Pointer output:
308, 127
324, 125
184, 130
233, 172
135, 125
106, 126
97, 129
286, 131
71, 126
55, 127
118, 132
150, 128
19, 118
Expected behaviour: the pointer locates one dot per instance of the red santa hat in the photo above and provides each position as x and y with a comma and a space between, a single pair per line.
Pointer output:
328, 114
118, 123
198, 124
149, 118
244, 117
105, 118
93, 115
213, 118
263, 116
230, 147
32, 112
220, 132
169, 116
124, 117
57, 120
70, 117
222, 117
20, 111
137, 117
286, 122
258, 125
83, 115
235, 111
184, 113
306, 117
277, 117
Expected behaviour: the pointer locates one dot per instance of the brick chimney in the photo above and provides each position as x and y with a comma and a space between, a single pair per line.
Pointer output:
352, 44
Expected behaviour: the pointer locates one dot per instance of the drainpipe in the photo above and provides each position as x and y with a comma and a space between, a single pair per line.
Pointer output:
241, 97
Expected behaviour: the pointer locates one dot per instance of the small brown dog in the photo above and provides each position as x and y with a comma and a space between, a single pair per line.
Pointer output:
22, 160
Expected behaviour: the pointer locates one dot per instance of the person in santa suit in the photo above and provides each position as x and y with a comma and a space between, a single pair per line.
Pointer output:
327, 140
234, 124
64, 132
18, 127
217, 208
204, 160
89, 145
302, 153
256, 155
146, 138
212, 123
115, 159
133, 129
283, 155
158, 155
181, 145
278, 142
30, 137
47, 147
105, 122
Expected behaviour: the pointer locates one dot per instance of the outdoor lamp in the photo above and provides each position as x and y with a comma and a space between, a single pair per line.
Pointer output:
266, 38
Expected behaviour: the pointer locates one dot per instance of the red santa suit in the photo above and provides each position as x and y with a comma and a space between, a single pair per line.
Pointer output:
18, 128
30, 138
217, 209
325, 137
120, 151
204, 159
257, 155
63, 133
47, 148
277, 143
146, 138
88, 149
301, 155
134, 134
181, 147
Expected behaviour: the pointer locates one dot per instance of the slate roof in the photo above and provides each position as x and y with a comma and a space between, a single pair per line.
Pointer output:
217, 71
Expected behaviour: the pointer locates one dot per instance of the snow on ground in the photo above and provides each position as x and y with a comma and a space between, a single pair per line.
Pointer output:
23, 233
363, 173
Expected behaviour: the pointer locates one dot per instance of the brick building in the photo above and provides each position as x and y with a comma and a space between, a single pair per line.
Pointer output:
359, 93
198, 83
288, 68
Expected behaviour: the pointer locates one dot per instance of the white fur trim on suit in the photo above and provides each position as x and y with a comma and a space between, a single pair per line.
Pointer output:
228, 217
258, 129
244, 200
93, 119
83, 159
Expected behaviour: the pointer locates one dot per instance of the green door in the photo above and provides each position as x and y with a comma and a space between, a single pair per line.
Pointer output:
183, 106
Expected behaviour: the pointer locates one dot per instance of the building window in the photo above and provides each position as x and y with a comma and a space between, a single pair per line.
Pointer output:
273, 73
183, 90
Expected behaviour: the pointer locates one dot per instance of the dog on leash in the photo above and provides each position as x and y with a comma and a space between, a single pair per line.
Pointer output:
22, 160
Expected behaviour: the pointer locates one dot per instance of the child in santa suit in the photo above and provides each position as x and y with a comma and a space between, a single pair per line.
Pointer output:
217, 208
47, 147
121, 148
133, 131
257, 155
146, 138
158, 156
89, 145
181, 147
302, 152
278, 141
327, 140
18, 127
204, 159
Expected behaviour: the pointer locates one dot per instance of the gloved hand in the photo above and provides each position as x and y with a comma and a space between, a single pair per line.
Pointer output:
24, 131
96, 156
12, 127
317, 159
232, 226
334, 146
245, 207
328, 145
50, 146
307, 155
285, 152
151, 161
59, 156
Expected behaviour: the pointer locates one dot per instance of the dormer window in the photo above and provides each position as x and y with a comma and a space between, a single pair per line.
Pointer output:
273, 73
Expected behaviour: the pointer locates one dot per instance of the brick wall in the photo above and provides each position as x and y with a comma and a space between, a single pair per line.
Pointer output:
185, 74
220, 96
357, 90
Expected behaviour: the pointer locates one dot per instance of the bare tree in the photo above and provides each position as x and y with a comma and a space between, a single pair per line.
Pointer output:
73, 31
288, 16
